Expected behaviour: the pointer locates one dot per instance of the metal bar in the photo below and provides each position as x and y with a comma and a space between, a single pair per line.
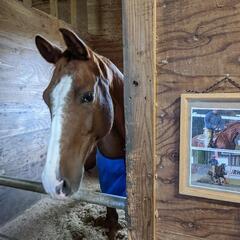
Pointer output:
83, 195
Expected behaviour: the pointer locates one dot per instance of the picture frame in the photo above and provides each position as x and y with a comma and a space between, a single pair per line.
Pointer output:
210, 146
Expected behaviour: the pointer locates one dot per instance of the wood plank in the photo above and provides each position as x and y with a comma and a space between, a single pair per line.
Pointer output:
27, 3
25, 159
42, 5
174, 236
19, 119
104, 25
54, 8
64, 10
21, 156
24, 117
24, 74
139, 71
79, 14
197, 46
104, 17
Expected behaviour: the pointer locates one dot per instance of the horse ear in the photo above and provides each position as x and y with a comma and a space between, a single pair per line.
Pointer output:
75, 45
48, 51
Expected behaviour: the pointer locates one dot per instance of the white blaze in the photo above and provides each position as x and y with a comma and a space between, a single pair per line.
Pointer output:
52, 166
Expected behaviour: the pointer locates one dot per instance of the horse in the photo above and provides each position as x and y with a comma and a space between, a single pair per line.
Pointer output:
219, 176
85, 99
226, 138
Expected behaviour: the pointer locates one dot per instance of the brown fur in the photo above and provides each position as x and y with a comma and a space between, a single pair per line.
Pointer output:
225, 139
87, 125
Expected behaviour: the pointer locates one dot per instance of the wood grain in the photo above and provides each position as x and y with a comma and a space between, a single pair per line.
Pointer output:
139, 66
186, 102
54, 8
79, 14
102, 29
27, 3
43, 5
23, 79
24, 117
104, 17
197, 46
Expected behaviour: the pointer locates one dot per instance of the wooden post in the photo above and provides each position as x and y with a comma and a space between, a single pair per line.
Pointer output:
79, 14
27, 3
139, 26
54, 8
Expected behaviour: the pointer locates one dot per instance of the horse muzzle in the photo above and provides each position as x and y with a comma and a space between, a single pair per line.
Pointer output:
57, 189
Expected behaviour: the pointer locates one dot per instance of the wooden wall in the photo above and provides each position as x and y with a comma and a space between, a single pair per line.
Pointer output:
24, 118
104, 17
104, 21
197, 48
140, 80
198, 44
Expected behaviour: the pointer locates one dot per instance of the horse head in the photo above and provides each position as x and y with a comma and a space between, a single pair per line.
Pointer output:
81, 107
221, 170
226, 138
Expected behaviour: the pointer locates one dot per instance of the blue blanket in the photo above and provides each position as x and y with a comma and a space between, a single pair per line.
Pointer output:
112, 174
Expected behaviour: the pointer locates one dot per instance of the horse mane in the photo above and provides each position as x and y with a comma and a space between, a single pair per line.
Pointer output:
233, 124
112, 74
222, 136
229, 125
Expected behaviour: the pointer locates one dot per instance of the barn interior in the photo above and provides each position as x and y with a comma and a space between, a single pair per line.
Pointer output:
165, 48
25, 119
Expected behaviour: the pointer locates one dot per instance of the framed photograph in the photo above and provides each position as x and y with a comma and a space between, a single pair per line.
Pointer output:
210, 146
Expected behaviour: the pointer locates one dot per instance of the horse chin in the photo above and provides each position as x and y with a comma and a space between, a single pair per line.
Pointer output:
75, 192
76, 187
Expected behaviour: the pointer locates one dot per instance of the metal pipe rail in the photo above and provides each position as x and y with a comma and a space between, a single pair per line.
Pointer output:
83, 195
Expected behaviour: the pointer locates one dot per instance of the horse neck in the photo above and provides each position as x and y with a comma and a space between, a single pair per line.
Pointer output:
234, 130
113, 144
116, 91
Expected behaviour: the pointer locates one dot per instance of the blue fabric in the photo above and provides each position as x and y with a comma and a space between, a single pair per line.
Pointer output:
112, 174
213, 121
213, 162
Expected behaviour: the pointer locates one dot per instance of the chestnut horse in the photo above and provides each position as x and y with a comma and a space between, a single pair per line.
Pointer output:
226, 138
219, 177
85, 99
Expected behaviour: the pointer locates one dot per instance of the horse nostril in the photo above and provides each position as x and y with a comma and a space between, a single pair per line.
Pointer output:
58, 189
66, 189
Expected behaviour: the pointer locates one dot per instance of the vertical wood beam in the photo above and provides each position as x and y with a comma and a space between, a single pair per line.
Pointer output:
54, 8
139, 27
79, 14
27, 3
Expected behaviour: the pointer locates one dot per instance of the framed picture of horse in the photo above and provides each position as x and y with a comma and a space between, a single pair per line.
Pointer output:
210, 146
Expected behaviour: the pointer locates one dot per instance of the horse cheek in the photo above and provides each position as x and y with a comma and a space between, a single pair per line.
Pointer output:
103, 121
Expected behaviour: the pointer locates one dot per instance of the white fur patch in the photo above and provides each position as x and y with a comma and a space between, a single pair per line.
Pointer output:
52, 166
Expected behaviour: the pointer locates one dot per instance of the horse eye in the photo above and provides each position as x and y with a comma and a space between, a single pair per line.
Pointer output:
87, 97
